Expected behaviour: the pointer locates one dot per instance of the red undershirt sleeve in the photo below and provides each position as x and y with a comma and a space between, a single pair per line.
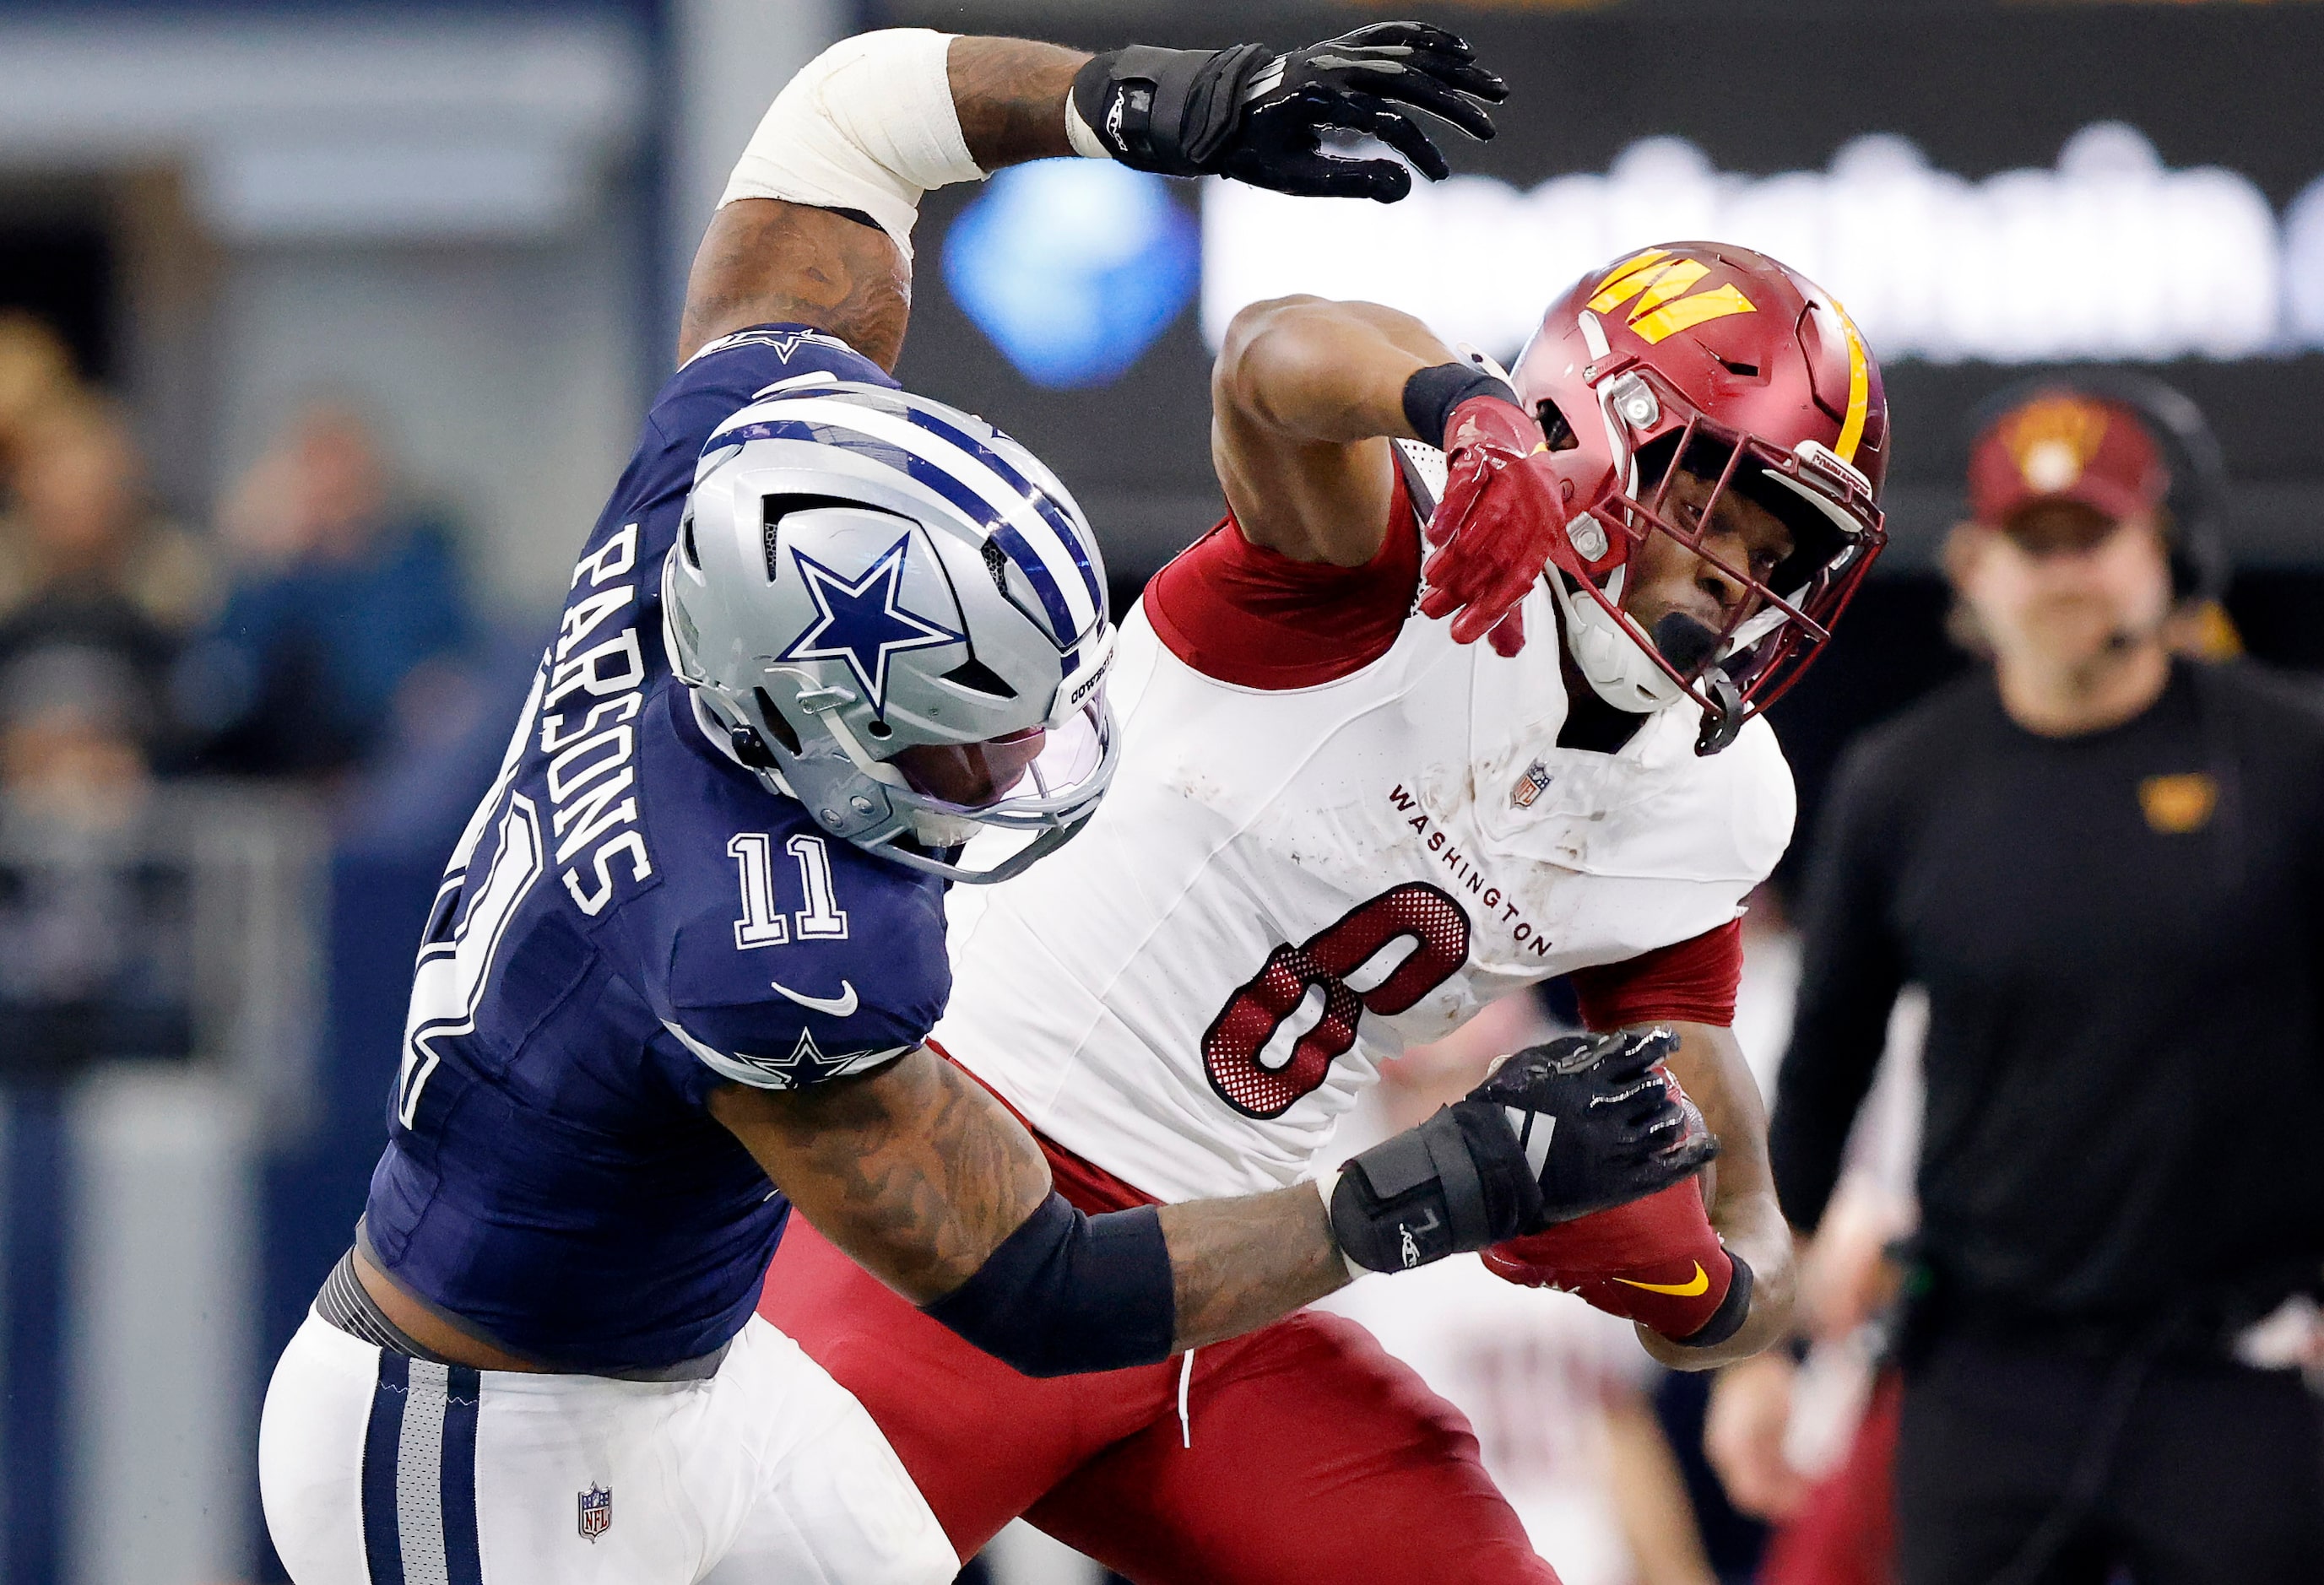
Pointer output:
1689, 981
1255, 618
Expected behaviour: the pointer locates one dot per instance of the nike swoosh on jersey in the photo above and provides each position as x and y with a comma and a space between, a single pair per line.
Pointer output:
839, 1006
1676, 1290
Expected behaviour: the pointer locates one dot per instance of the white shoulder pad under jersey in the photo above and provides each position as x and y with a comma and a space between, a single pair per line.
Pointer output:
1285, 887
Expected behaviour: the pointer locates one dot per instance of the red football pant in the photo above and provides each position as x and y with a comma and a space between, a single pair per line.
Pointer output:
1314, 1456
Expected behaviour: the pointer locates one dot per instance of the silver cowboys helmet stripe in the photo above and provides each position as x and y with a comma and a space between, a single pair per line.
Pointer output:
897, 615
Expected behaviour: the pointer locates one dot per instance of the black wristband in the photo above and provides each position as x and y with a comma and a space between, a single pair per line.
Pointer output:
1431, 394
1728, 1319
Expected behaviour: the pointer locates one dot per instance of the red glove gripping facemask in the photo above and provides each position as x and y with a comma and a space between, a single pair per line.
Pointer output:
1501, 510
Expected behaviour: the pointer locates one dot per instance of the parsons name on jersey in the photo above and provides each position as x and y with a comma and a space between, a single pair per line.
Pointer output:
631, 920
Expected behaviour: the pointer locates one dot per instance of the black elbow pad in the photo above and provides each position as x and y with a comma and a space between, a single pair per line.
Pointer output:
1067, 1293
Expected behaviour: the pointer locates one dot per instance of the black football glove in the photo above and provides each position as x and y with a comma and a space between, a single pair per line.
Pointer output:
1598, 1120
1560, 1130
1257, 116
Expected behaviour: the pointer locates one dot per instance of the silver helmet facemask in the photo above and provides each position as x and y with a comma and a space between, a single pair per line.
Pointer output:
894, 614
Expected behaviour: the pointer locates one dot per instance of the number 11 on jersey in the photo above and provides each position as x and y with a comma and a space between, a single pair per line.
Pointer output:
764, 922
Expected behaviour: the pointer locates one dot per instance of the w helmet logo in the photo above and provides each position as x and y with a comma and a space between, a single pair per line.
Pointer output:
1662, 285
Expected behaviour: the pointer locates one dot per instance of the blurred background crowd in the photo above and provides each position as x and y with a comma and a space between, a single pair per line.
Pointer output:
324, 328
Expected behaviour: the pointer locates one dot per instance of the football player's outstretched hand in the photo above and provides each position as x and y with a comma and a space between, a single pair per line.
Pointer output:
1494, 525
1599, 1118
1259, 117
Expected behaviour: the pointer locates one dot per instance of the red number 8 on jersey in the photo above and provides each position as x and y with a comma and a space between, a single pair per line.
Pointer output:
1438, 928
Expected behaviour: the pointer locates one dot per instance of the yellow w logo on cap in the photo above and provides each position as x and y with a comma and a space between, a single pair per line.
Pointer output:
1662, 284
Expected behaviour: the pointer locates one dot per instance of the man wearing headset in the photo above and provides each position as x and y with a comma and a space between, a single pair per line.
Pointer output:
2105, 863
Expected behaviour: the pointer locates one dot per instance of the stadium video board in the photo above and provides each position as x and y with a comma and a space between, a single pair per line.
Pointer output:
1991, 190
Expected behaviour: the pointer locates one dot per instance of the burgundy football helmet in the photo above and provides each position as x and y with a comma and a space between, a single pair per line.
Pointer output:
1739, 368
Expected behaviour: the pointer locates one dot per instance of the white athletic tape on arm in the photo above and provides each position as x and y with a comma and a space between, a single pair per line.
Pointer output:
868, 124
1085, 142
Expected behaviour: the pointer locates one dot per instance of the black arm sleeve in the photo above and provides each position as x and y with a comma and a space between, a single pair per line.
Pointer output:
1067, 1293
1851, 969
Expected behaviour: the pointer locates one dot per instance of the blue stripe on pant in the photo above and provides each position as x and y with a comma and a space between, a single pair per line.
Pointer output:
462, 1563
383, 1547
419, 1475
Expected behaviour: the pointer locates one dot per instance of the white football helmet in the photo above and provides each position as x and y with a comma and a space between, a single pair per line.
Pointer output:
898, 617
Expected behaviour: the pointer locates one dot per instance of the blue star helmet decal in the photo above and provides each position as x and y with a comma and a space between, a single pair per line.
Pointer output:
863, 622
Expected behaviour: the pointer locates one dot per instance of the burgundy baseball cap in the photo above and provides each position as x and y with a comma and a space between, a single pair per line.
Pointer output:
2065, 445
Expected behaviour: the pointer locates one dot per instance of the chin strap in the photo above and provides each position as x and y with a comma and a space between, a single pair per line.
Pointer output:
1619, 671
1723, 722
1611, 661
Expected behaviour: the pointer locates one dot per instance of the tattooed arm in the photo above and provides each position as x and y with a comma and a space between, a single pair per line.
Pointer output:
914, 1170
1239, 1264
764, 261
920, 1174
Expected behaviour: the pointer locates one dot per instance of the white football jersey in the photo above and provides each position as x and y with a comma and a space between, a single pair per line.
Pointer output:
1285, 888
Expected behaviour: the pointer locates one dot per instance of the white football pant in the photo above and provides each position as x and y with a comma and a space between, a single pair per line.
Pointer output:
376, 1470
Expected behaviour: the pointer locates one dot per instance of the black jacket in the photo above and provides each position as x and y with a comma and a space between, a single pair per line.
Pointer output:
2121, 940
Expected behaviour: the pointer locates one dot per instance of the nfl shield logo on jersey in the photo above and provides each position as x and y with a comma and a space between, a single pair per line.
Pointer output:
1529, 786
597, 1512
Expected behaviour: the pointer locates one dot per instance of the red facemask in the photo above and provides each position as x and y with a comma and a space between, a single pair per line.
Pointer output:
1733, 360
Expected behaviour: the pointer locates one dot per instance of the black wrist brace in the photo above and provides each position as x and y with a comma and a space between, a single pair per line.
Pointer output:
1460, 1181
1170, 111
1431, 394
1067, 1293
1728, 1319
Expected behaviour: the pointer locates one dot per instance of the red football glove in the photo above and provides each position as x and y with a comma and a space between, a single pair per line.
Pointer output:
1656, 1261
1492, 529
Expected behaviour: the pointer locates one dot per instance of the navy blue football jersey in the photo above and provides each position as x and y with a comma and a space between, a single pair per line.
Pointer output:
631, 920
